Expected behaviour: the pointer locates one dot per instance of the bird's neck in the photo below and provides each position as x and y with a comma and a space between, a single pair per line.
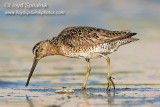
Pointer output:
52, 47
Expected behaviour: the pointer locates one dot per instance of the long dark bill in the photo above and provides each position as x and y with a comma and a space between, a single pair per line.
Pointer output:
32, 70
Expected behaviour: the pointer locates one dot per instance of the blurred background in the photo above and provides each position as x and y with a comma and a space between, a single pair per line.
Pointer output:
133, 64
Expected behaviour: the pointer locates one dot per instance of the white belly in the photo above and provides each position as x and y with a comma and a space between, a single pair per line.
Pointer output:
91, 52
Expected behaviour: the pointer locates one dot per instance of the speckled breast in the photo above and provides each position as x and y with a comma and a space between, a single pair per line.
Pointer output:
90, 52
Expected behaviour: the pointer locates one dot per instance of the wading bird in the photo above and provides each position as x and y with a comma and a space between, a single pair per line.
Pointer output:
83, 42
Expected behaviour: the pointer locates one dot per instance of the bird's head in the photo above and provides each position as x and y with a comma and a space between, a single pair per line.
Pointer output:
40, 50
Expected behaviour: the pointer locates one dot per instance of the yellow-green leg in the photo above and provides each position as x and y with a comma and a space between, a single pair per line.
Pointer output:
110, 81
87, 75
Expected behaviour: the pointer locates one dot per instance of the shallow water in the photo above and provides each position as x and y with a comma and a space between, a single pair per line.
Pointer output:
43, 86
91, 97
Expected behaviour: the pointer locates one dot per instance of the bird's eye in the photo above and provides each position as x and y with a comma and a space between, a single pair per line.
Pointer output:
36, 52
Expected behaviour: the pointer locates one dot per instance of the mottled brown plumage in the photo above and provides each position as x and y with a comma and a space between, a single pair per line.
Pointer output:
83, 42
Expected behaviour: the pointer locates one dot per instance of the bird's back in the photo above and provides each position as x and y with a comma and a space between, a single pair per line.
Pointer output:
83, 41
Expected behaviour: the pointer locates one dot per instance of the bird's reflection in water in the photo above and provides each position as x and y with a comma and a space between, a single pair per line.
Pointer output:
29, 101
109, 96
85, 95
85, 98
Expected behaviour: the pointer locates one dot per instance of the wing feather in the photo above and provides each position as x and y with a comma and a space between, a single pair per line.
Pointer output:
90, 36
